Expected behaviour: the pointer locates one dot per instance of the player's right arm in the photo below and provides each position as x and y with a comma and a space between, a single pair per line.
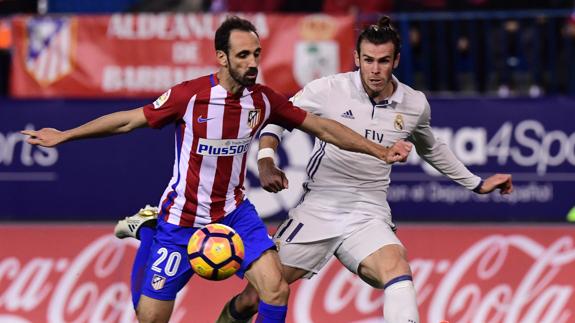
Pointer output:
272, 179
107, 125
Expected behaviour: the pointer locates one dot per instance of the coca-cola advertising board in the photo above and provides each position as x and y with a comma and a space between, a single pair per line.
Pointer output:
142, 55
508, 274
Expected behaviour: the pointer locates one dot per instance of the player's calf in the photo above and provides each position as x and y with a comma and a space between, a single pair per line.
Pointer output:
231, 313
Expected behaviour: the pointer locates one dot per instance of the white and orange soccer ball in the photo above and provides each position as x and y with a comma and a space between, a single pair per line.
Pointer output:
215, 251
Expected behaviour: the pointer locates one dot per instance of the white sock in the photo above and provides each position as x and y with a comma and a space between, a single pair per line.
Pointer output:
400, 303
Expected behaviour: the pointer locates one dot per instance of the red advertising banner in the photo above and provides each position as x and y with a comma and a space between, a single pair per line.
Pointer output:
141, 55
80, 273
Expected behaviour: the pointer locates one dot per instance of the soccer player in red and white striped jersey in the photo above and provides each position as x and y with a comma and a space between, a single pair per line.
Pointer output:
216, 119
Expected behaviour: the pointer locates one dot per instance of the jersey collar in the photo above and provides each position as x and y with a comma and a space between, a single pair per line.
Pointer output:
395, 98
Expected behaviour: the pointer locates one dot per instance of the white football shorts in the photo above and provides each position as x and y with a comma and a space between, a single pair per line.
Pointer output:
351, 243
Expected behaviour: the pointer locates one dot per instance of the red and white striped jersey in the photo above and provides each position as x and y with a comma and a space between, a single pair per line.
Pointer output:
214, 130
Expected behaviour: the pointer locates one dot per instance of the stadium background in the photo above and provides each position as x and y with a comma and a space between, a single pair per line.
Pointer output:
501, 83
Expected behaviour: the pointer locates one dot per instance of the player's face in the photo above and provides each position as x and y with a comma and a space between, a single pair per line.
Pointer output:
244, 57
376, 64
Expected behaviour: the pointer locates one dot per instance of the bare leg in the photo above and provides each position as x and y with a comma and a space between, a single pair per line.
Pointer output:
244, 305
154, 311
388, 268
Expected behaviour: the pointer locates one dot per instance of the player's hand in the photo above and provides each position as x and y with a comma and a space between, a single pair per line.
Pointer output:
398, 152
272, 178
502, 182
47, 137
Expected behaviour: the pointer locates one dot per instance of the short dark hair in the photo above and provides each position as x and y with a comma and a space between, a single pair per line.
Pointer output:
222, 38
381, 33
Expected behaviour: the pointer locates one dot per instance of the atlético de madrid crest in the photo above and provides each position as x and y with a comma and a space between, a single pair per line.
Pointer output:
49, 51
253, 118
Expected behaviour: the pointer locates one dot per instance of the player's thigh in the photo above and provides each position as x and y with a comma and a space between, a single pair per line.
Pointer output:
153, 310
363, 242
167, 270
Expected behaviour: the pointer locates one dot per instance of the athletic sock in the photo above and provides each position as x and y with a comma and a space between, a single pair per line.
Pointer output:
400, 302
146, 235
271, 313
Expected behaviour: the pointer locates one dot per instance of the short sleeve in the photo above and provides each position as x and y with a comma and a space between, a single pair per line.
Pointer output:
283, 112
312, 97
168, 107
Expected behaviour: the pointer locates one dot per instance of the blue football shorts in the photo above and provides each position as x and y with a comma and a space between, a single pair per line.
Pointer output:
168, 269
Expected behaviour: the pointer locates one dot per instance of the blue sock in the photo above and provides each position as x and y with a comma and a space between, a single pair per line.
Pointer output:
271, 313
146, 239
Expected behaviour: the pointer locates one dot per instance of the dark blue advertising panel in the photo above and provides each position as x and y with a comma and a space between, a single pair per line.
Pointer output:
109, 178
95, 179
533, 139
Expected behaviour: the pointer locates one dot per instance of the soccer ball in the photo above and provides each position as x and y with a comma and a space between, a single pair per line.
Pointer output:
215, 251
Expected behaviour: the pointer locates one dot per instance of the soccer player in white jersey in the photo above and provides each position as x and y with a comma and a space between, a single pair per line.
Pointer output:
344, 211
215, 117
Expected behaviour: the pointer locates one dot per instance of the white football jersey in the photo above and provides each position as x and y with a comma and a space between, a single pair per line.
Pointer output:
349, 180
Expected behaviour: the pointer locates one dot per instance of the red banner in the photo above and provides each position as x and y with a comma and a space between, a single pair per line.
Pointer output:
462, 273
143, 55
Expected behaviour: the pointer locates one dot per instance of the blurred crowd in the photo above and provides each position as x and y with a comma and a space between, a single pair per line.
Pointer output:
268, 6
502, 56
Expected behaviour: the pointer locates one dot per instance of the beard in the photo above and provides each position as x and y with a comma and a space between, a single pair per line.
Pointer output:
244, 80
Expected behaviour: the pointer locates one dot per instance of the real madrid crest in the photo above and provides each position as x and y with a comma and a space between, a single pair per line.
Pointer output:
398, 123
253, 118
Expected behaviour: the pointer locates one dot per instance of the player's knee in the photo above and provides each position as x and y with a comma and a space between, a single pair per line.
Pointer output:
395, 267
151, 317
384, 265
153, 311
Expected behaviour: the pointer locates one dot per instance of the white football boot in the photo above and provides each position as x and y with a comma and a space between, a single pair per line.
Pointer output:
129, 227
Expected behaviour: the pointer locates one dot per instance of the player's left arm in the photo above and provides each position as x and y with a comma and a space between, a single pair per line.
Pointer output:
272, 179
503, 182
435, 152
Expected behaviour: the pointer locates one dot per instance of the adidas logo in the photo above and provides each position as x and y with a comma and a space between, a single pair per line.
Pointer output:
348, 114
132, 227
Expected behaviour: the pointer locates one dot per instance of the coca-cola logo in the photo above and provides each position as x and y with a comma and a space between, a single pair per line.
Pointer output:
92, 286
499, 278
519, 275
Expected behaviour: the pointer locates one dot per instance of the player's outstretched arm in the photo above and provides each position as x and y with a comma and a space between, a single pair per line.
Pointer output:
272, 178
110, 124
502, 182
335, 133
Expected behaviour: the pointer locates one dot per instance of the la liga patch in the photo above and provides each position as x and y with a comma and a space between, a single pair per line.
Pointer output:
162, 99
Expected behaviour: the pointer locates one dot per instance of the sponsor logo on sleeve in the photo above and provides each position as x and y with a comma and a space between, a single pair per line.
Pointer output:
162, 99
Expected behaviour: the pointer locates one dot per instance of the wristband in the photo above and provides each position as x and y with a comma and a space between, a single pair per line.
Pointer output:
265, 153
477, 188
